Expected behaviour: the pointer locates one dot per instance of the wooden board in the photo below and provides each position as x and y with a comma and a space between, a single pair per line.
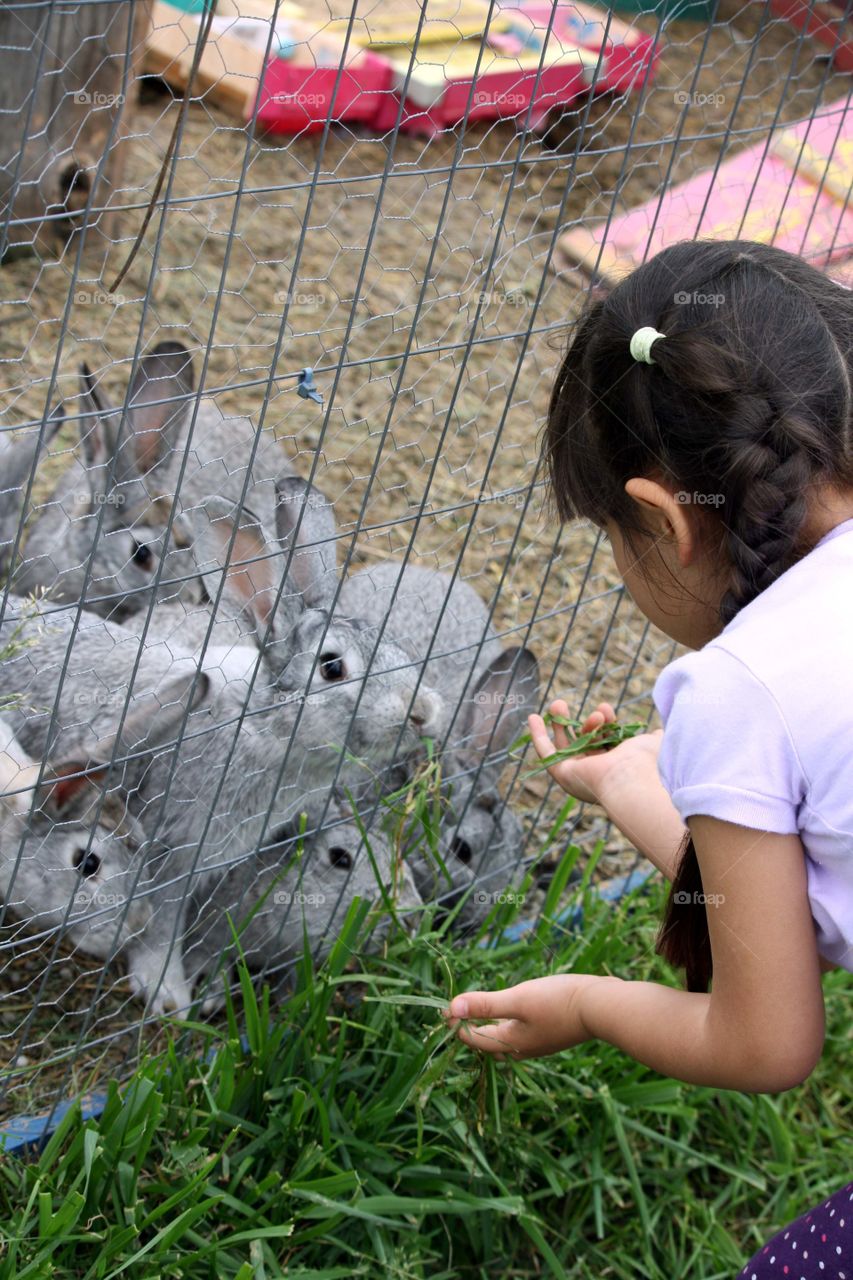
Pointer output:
229, 72
233, 61
445, 20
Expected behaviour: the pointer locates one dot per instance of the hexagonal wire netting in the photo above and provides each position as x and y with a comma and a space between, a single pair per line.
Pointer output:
419, 275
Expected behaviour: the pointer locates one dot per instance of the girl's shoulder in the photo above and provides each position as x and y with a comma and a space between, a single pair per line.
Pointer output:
727, 749
791, 645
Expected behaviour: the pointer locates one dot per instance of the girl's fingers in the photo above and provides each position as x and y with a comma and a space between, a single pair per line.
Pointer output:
485, 1004
499, 1039
561, 735
542, 743
592, 722
603, 714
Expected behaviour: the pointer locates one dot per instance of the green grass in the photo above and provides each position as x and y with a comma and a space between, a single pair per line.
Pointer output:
352, 1137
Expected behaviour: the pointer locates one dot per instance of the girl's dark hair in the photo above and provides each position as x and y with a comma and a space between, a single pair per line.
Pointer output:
746, 407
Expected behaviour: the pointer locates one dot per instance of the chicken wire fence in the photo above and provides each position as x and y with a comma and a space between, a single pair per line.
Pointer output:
286, 454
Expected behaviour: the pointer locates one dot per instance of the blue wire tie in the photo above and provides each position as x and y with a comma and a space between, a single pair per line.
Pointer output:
306, 387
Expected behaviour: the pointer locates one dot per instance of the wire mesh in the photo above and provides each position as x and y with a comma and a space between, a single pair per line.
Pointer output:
415, 283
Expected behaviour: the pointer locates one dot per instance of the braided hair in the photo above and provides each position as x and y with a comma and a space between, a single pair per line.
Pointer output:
748, 398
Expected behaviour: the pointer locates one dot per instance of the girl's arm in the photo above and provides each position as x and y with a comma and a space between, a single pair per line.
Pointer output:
761, 1028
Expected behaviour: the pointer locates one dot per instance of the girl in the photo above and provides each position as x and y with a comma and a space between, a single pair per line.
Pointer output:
703, 416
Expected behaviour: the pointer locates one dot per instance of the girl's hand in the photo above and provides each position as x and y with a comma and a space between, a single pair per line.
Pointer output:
587, 777
537, 1018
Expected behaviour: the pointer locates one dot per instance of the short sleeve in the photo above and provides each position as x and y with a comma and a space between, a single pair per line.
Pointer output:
726, 750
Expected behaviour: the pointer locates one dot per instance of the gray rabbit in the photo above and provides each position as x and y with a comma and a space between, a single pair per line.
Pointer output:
252, 755
298, 890
106, 518
73, 859
488, 693
99, 538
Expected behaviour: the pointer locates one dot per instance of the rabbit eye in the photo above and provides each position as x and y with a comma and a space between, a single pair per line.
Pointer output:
331, 666
87, 863
340, 857
142, 555
461, 850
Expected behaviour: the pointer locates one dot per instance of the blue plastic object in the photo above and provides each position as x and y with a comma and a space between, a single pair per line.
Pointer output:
306, 387
24, 1132
572, 917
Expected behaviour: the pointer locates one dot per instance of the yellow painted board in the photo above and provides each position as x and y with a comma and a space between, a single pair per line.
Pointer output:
394, 24
437, 66
835, 177
259, 9
464, 58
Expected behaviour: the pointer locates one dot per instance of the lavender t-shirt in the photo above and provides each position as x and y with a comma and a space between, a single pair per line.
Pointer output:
758, 726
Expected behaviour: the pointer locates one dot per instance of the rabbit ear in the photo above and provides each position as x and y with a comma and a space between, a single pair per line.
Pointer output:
507, 692
313, 566
66, 789
164, 373
153, 719
17, 772
253, 566
60, 796
97, 434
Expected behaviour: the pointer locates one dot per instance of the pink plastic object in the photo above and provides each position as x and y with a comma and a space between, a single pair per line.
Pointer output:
577, 58
298, 99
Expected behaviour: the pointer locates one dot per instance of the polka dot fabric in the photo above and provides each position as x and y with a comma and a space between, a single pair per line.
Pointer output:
818, 1246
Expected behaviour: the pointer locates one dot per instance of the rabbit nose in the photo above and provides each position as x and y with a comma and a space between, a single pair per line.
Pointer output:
425, 712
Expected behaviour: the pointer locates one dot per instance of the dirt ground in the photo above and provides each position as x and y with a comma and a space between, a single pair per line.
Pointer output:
430, 424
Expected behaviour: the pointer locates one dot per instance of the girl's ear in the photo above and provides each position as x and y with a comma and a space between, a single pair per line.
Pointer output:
665, 515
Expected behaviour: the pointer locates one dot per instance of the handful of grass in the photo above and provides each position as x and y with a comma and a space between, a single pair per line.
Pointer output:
601, 739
